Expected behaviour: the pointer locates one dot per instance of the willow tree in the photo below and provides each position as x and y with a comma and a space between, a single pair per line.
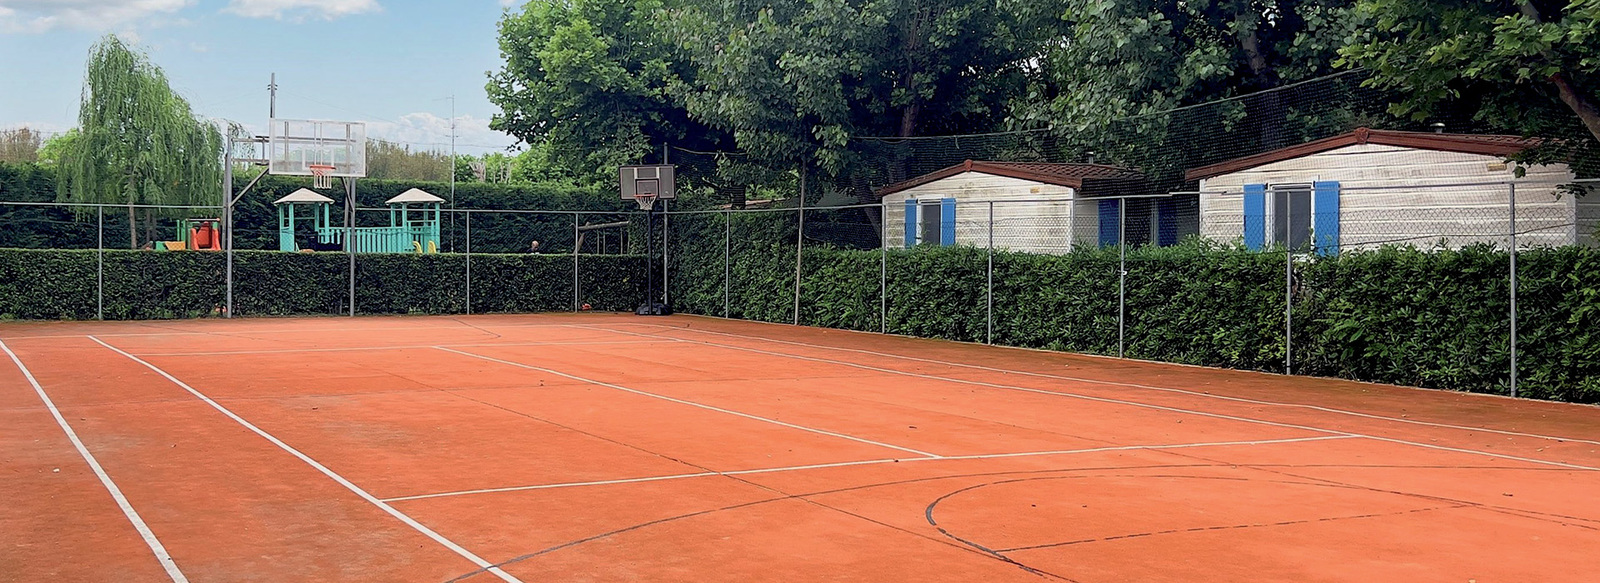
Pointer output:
138, 141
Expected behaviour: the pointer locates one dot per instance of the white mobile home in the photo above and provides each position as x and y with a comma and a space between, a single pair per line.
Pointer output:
1035, 206
1368, 188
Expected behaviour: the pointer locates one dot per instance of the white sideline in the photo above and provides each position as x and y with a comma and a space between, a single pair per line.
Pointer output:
403, 517
1131, 385
861, 463
1116, 401
406, 347
105, 480
694, 404
229, 331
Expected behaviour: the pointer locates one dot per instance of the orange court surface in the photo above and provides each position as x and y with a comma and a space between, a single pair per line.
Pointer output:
604, 447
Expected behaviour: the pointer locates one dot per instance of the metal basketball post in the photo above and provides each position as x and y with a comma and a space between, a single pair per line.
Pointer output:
648, 185
349, 235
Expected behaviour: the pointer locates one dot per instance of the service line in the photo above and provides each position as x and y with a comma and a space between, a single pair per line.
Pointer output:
694, 404
403, 517
865, 463
1119, 383
1116, 401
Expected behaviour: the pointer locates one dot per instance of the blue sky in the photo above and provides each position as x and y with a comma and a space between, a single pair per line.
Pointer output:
391, 63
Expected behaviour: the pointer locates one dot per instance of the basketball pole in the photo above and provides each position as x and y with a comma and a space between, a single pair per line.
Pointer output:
227, 225
349, 235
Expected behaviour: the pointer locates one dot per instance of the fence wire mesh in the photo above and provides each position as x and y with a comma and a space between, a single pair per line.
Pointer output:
1290, 286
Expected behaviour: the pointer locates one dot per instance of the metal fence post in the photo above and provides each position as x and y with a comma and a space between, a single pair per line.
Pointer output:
100, 263
1288, 299
468, 220
799, 251
1122, 272
575, 284
727, 258
1513, 222
989, 290
883, 270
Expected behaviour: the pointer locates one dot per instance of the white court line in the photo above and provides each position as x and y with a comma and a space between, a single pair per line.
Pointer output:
694, 404
105, 479
403, 517
863, 463
406, 347
1118, 401
232, 332
1132, 385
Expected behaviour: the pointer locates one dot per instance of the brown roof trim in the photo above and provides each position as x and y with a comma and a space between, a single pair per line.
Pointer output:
1012, 170
1488, 145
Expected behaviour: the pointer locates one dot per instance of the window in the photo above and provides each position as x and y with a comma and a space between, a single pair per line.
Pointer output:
1291, 215
1301, 216
932, 222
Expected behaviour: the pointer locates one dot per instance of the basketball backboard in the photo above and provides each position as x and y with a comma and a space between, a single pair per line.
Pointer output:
656, 179
308, 147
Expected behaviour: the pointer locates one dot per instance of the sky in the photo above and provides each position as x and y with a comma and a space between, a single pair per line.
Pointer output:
394, 64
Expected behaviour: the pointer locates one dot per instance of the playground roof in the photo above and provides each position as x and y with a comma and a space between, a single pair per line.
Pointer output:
414, 195
303, 195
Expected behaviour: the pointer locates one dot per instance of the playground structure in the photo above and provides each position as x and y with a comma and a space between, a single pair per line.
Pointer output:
414, 218
194, 235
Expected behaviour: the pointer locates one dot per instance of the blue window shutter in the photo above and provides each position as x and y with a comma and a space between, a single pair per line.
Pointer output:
911, 223
1166, 222
947, 221
1325, 217
1109, 222
1255, 216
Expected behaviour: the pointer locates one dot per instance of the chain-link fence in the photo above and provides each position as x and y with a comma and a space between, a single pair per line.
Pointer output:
1451, 287
1416, 286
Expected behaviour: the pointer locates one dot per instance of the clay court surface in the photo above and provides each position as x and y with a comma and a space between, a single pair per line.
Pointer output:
594, 447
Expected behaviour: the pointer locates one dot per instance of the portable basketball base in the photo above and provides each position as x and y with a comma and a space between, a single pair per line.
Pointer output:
649, 185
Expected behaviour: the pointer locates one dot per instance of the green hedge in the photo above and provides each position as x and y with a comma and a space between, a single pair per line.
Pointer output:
61, 284
1396, 315
255, 218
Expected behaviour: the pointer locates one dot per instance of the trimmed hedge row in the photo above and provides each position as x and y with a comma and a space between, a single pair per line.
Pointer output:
61, 284
1435, 319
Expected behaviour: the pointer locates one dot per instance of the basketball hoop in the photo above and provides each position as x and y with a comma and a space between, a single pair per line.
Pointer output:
322, 175
646, 200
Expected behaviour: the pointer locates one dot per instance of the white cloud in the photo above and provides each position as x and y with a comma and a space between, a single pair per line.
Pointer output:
34, 16
300, 9
431, 132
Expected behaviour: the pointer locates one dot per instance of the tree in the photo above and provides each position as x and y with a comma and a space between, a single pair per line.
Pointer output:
20, 145
55, 150
1123, 58
794, 80
1533, 65
588, 79
138, 141
394, 161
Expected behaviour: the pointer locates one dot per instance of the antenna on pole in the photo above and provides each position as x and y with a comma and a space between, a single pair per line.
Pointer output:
272, 101
453, 168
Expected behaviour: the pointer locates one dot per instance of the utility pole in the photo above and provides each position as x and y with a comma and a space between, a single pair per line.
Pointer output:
272, 100
453, 169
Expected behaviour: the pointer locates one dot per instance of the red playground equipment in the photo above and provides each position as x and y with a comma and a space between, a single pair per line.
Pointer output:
195, 235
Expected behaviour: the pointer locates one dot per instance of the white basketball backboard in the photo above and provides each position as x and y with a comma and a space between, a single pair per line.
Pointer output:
299, 147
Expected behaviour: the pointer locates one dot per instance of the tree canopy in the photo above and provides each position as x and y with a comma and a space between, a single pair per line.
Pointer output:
830, 84
1527, 66
138, 141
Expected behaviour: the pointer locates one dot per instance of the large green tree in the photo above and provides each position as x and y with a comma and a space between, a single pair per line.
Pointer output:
795, 80
586, 81
1531, 66
1122, 58
138, 141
